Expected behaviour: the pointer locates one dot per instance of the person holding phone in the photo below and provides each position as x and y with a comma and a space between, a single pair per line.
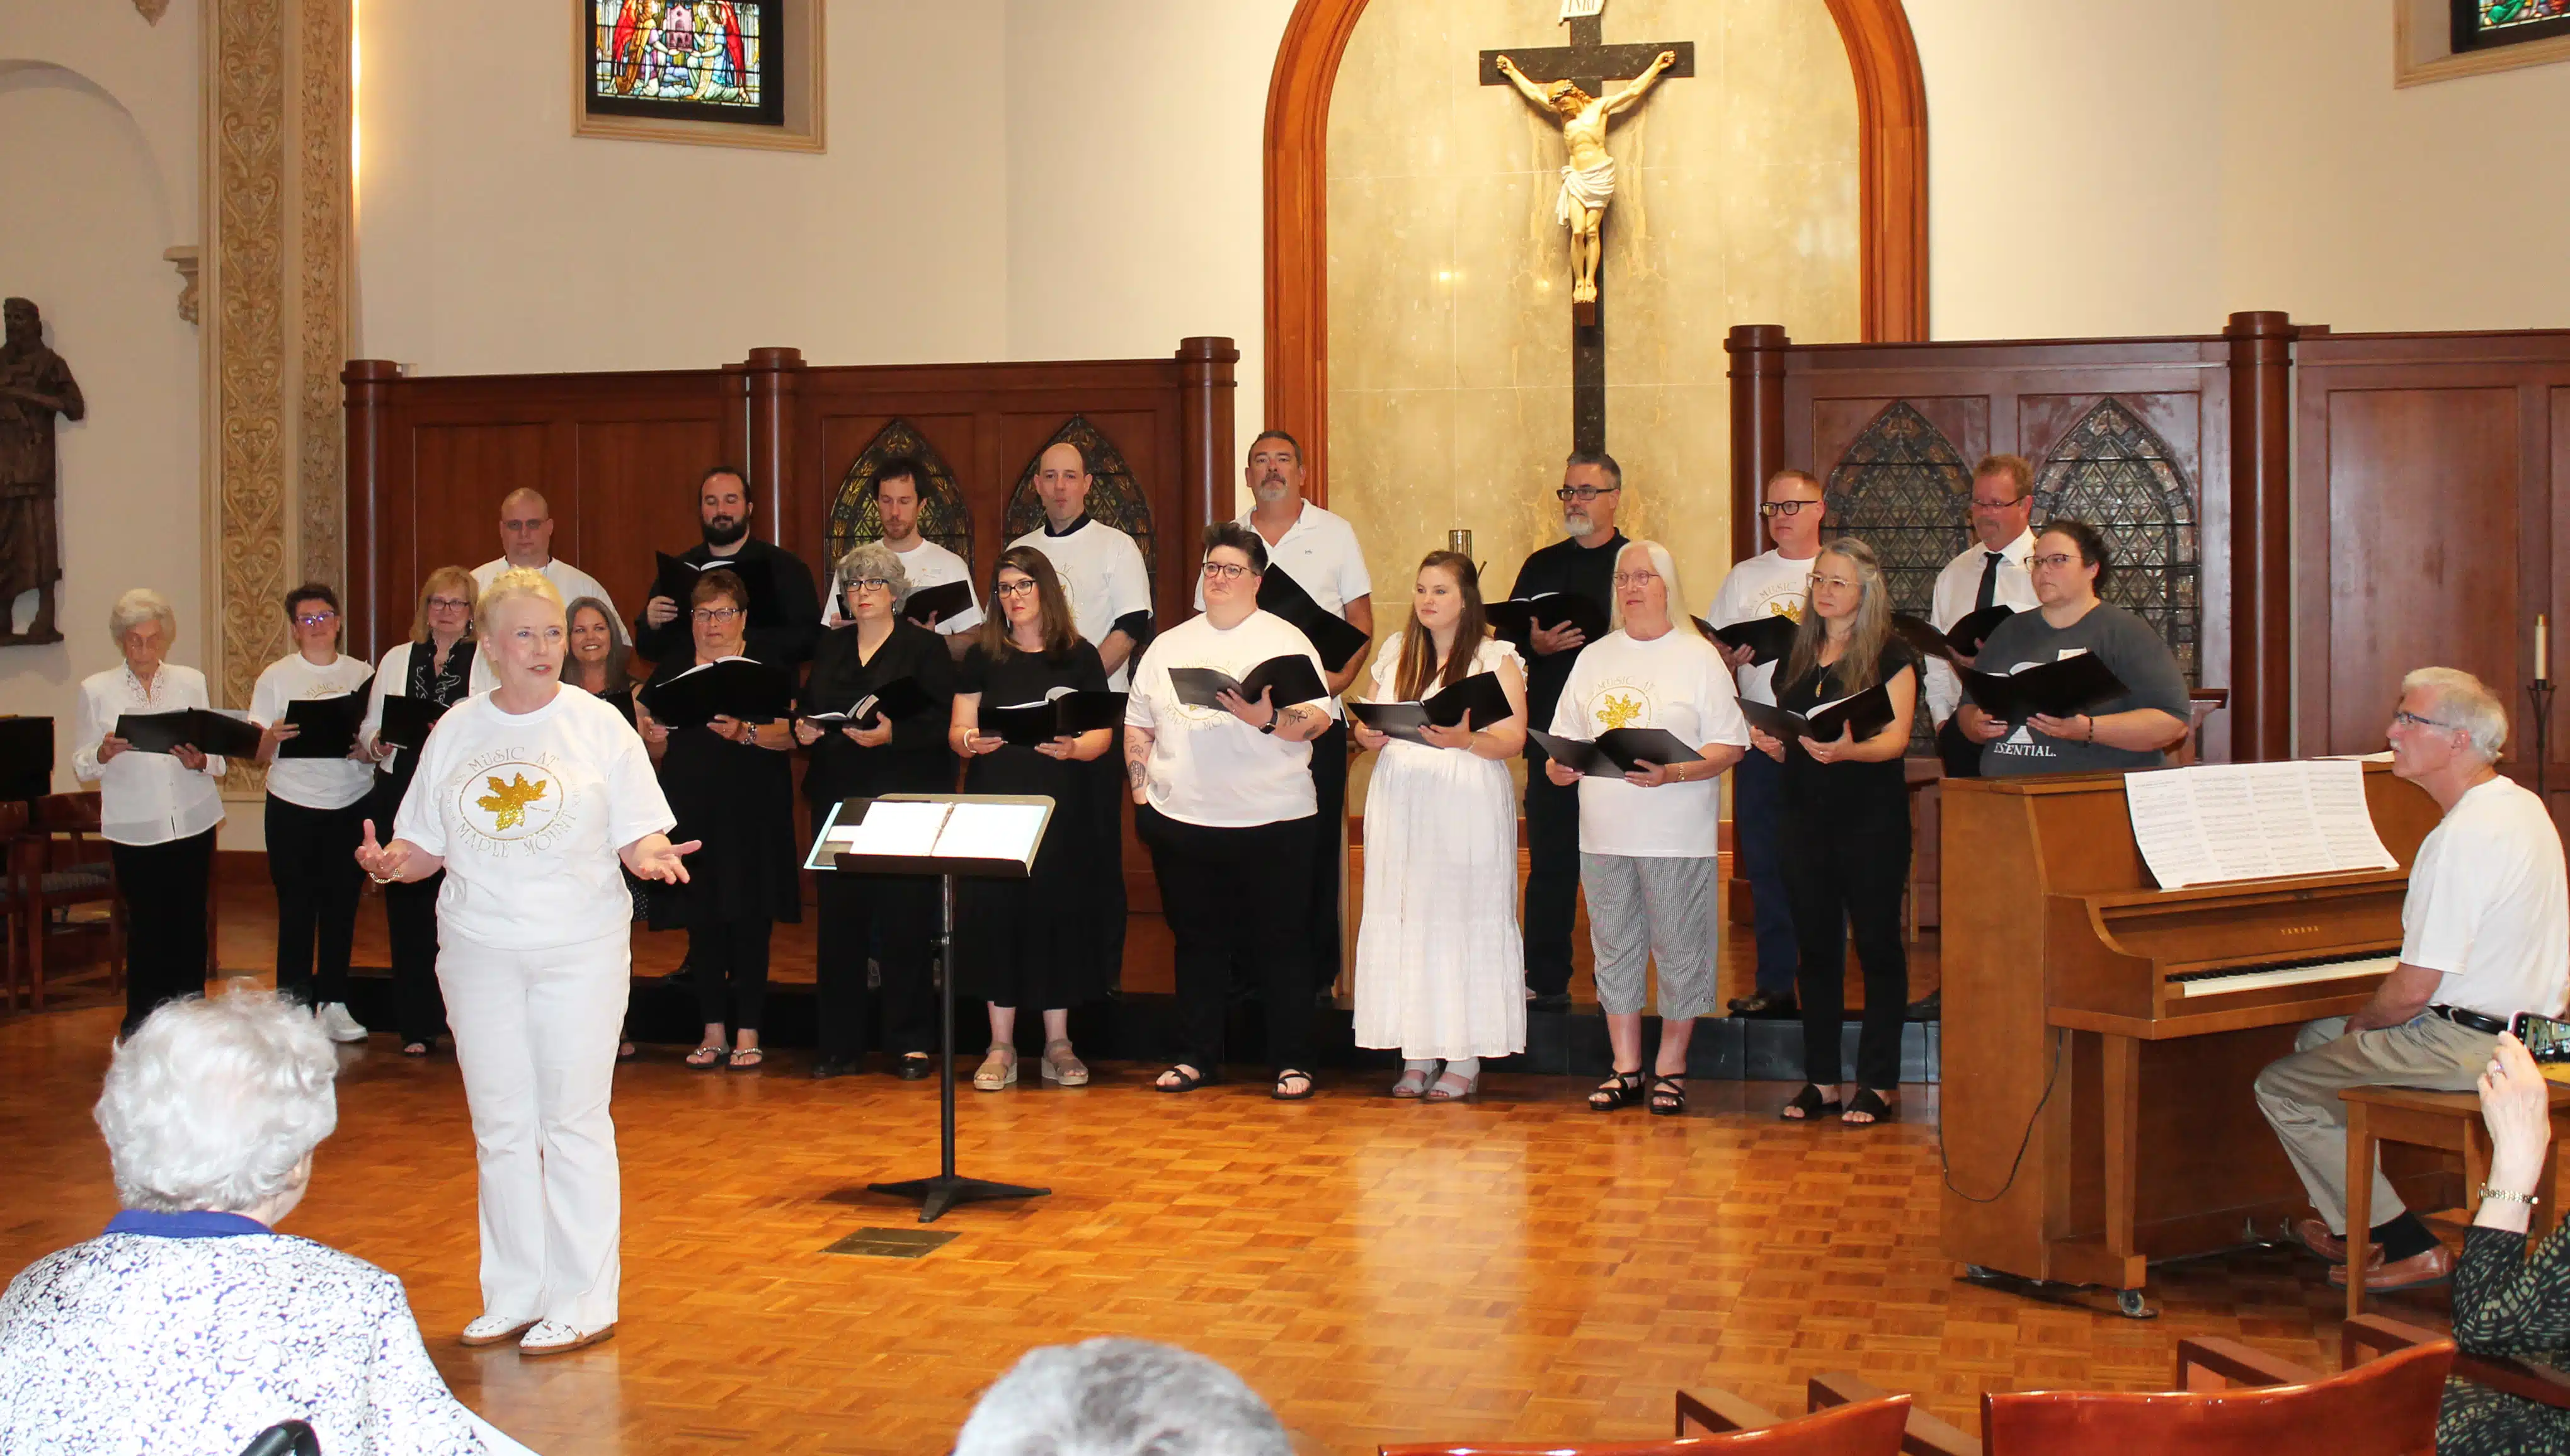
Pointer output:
2485, 933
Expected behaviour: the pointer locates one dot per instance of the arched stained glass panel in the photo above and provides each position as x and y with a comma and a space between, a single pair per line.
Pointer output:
2114, 473
943, 516
1114, 497
1905, 490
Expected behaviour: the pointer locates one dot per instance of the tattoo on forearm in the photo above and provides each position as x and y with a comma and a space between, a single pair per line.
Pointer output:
1297, 715
1137, 758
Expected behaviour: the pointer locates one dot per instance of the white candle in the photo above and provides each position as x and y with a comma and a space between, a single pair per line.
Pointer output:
2542, 647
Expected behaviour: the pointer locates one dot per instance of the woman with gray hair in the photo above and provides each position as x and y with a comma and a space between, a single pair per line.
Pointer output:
134, 1340
157, 811
858, 758
1120, 1397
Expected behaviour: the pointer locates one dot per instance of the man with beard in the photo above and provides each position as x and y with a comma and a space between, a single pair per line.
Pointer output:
1584, 565
899, 486
785, 608
35, 385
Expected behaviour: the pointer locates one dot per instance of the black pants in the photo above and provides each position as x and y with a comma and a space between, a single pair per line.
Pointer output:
728, 959
1236, 895
1757, 828
1329, 871
1111, 796
312, 861
1552, 879
1960, 755
1840, 884
410, 915
899, 915
165, 888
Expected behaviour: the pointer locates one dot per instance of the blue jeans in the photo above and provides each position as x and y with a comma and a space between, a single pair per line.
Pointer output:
1758, 812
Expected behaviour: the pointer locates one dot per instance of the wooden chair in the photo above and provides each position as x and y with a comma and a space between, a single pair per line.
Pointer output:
57, 862
2370, 1337
2231, 1400
1721, 1424
2448, 1120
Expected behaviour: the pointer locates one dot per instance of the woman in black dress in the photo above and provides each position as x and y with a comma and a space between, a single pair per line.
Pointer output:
1846, 843
434, 667
903, 754
1035, 941
731, 784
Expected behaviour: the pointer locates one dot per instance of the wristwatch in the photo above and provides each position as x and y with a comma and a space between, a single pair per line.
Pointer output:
1272, 720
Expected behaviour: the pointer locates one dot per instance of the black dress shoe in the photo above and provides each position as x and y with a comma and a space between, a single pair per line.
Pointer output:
1930, 1007
825, 1068
1763, 1003
914, 1068
1549, 1002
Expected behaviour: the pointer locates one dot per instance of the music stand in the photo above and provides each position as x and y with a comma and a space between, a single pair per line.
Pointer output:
946, 1189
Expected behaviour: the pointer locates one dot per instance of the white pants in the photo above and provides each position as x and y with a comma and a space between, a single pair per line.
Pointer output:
535, 1033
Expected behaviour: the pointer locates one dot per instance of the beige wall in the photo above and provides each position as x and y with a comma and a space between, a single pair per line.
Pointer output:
1450, 339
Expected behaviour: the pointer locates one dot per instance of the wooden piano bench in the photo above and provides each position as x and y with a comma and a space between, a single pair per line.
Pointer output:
2450, 1121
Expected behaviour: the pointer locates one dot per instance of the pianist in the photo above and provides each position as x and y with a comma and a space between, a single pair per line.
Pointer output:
2485, 933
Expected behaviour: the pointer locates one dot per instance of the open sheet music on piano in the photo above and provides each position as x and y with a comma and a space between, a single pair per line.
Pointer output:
2217, 821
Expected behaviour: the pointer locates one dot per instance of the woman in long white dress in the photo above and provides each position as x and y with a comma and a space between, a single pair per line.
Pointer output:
1441, 968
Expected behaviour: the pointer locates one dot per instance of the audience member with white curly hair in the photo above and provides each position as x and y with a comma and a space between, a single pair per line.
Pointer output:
190, 1325
1120, 1397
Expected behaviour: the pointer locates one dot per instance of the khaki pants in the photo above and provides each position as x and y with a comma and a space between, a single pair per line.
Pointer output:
2299, 1094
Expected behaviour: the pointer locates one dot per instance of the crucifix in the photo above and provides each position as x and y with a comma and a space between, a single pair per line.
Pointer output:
1578, 97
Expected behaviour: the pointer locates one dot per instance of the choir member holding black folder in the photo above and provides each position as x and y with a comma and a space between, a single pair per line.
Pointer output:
1839, 727
2037, 709
874, 719
1032, 711
784, 609
717, 723
415, 683
308, 705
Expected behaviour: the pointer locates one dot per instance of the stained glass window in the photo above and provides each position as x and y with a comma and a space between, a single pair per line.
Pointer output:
1902, 490
2114, 473
1114, 497
943, 518
2480, 24
706, 60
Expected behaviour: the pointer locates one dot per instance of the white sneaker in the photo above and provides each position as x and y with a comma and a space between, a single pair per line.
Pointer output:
553, 1337
337, 1024
492, 1328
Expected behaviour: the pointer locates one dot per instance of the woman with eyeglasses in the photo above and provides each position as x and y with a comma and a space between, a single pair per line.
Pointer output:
892, 918
435, 666
1649, 840
1035, 941
1846, 843
317, 809
731, 785
2127, 732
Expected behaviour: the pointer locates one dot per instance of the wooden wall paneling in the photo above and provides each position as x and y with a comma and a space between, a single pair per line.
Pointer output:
631, 491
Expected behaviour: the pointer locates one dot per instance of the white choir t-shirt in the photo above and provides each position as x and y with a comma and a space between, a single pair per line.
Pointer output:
1208, 767
1766, 584
926, 565
1958, 588
572, 582
1675, 682
2489, 906
314, 783
1101, 572
529, 811
1321, 552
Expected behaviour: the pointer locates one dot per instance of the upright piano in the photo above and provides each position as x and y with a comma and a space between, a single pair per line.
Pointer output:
2101, 1035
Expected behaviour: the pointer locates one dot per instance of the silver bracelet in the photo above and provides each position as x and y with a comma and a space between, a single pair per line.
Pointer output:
2505, 1195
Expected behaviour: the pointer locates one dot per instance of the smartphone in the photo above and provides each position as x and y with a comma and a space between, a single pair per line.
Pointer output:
2546, 1038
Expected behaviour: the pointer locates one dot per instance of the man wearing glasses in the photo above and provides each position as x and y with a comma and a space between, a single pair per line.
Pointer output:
2484, 934
527, 541
1991, 571
1582, 564
1774, 582
785, 607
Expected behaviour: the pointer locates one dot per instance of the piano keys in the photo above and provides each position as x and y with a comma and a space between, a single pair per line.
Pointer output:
2101, 1035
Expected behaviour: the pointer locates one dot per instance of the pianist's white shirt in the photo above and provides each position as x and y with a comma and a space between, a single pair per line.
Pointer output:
2488, 905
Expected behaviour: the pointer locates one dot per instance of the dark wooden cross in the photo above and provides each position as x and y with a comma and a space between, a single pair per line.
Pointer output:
1591, 64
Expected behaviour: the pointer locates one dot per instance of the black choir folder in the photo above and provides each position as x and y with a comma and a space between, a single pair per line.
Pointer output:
677, 579
1291, 676
326, 727
736, 687
25, 757
1768, 638
929, 605
202, 729
407, 719
1064, 715
1518, 616
1861, 714
1333, 637
976, 836
1962, 640
2057, 690
1618, 751
898, 698
1480, 695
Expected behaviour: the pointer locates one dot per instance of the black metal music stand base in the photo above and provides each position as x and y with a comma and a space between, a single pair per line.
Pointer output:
937, 1195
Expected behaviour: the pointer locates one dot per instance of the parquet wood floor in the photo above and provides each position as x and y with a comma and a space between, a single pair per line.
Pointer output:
1518, 1269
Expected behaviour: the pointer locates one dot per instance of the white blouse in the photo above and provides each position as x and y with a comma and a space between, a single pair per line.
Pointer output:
145, 797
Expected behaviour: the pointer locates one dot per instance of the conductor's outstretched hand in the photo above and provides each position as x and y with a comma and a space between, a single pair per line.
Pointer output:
654, 858
382, 861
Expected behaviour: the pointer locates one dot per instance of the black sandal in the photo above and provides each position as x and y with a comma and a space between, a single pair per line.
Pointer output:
1188, 1079
1871, 1103
1668, 1095
1809, 1105
1620, 1090
1279, 1093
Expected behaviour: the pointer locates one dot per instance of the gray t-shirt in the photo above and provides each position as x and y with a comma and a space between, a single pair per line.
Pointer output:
2128, 648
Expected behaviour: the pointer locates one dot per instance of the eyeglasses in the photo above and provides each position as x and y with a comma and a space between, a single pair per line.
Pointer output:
2406, 719
1840, 583
1980, 505
1791, 507
1585, 493
868, 584
316, 619
448, 603
1013, 589
2056, 561
1635, 578
715, 614
1224, 572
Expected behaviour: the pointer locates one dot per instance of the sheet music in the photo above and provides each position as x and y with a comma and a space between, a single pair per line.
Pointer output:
2222, 821
892, 828
991, 832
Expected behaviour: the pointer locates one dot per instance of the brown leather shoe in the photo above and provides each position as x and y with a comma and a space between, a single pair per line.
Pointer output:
2314, 1236
2432, 1267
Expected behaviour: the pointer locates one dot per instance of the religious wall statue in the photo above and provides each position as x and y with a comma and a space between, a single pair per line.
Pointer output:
35, 385
1588, 179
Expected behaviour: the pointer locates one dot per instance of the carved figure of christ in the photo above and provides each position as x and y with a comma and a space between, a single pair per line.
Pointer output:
1588, 179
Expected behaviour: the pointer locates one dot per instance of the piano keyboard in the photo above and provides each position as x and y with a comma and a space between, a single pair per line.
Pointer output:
2259, 977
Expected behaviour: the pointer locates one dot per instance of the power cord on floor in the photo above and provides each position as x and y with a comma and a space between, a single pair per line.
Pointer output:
2061, 1039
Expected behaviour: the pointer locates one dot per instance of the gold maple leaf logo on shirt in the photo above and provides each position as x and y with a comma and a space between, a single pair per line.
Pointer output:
1790, 606
508, 802
1619, 711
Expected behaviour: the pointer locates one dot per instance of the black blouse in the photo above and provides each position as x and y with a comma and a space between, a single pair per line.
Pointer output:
917, 760
1849, 796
